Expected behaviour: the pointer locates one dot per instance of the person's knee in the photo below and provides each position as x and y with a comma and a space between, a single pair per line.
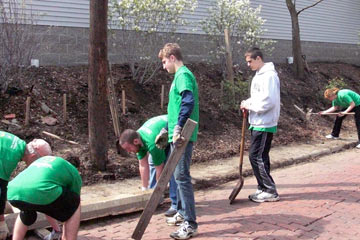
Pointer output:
28, 217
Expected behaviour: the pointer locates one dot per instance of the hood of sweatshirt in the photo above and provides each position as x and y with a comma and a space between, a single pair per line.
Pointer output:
266, 68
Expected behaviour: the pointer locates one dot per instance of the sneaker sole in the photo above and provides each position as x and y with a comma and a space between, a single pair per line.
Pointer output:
266, 200
191, 235
174, 224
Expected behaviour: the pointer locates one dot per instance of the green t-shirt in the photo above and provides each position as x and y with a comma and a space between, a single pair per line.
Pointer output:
345, 97
12, 150
42, 182
183, 80
148, 132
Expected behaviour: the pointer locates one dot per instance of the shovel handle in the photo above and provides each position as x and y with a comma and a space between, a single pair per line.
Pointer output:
242, 147
336, 113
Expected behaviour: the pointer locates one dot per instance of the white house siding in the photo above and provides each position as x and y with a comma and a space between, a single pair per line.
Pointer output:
64, 13
329, 31
330, 21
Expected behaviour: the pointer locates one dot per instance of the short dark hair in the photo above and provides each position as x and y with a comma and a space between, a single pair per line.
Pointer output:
128, 136
171, 49
254, 52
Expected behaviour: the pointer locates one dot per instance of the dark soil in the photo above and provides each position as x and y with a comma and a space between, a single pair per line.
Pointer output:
219, 134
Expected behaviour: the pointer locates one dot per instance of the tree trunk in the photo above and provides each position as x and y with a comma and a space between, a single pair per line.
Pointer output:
229, 63
296, 43
98, 67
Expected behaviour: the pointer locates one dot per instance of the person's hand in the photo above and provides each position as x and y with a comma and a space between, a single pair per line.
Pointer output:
341, 114
178, 140
161, 140
243, 105
321, 113
144, 188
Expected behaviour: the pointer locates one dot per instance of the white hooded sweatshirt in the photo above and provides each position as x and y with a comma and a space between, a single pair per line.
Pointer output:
264, 101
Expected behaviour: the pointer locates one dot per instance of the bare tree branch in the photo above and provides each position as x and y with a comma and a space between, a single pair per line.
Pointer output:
313, 5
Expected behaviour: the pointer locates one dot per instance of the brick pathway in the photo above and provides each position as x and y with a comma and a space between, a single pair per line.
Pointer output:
319, 200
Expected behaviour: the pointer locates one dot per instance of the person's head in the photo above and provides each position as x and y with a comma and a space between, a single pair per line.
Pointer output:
35, 149
130, 141
170, 55
331, 93
254, 58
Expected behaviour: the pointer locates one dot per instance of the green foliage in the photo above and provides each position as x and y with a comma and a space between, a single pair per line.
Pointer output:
149, 15
241, 91
144, 23
337, 82
243, 22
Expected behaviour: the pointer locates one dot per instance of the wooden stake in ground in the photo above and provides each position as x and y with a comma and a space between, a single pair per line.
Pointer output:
27, 111
163, 181
162, 96
123, 99
113, 103
64, 107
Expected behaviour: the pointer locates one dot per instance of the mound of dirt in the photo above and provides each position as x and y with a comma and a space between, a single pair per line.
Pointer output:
219, 129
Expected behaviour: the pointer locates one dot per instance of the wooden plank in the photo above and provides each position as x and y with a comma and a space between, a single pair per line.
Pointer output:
59, 138
163, 181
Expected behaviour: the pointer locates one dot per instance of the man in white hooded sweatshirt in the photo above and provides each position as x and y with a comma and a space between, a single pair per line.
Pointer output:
264, 111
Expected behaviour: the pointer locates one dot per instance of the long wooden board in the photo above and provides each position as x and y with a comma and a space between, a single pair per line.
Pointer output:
163, 181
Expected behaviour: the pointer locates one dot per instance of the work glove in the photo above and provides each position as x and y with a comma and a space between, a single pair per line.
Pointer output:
144, 188
161, 139
177, 139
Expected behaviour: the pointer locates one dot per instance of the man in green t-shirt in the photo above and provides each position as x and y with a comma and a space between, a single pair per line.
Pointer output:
346, 101
12, 151
183, 104
142, 142
50, 185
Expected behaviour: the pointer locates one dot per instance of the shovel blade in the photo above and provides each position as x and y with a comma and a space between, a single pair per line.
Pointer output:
236, 190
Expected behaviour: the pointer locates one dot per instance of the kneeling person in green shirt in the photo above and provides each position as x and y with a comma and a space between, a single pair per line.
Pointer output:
50, 185
12, 151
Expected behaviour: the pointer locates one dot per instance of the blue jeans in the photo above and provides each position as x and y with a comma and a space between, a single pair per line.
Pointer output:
172, 187
185, 192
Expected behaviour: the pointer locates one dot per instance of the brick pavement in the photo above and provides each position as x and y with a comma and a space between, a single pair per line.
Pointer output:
319, 200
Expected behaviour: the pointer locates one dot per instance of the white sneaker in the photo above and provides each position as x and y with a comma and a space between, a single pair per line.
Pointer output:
175, 220
185, 231
358, 146
265, 197
258, 191
53, 235
331, 137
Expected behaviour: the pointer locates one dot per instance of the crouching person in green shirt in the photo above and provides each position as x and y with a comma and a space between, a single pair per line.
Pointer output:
12, 151
50, 185
150, 155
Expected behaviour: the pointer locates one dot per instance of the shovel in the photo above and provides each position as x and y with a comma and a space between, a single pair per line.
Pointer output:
240, 184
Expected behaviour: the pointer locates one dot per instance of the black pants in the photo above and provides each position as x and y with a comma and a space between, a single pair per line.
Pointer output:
260, 160
339, 120
3, 193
